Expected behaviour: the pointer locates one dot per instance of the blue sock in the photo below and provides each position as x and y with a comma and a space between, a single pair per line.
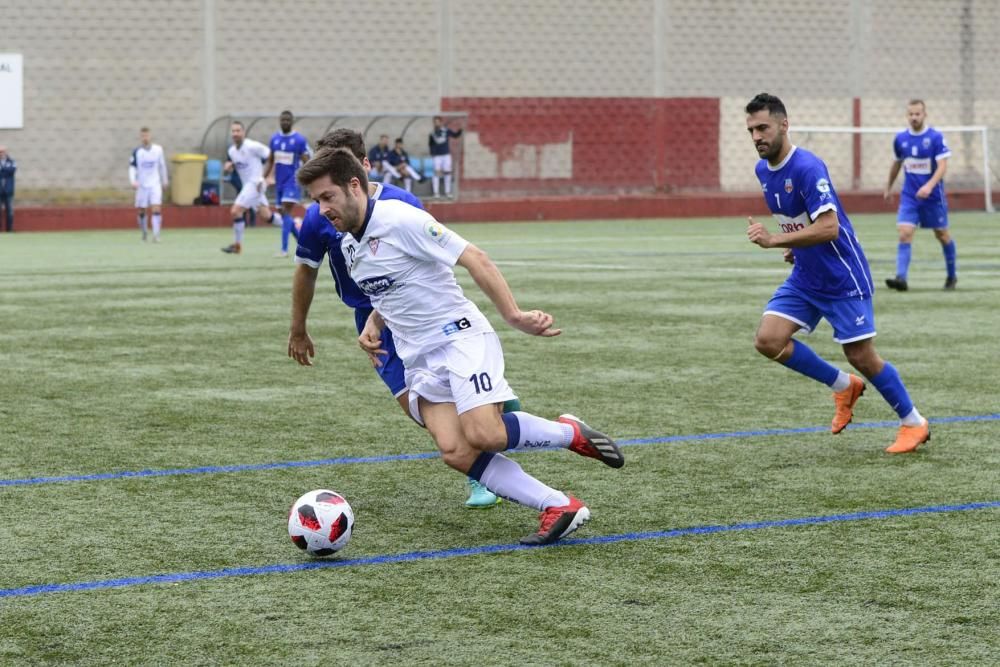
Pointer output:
287, 227
807, 362
950, 262
903, 252
891, 387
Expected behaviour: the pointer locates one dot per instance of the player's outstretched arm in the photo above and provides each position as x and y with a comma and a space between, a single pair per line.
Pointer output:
300, 345
491, 281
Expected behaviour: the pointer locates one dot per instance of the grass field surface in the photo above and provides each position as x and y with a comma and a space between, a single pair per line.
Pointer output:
122, 361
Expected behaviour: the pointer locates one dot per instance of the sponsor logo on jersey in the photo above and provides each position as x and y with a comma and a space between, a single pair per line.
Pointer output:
376, 286
373, 245
456, 326
763, 186
437, 231
788, 186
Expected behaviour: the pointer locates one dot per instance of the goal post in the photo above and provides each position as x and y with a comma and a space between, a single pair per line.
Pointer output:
859, 157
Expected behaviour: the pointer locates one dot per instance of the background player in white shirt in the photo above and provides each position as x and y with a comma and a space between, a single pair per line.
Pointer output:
247, 157
147, 172
402, 259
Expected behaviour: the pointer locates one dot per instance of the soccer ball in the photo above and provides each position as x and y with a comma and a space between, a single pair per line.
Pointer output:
320, 522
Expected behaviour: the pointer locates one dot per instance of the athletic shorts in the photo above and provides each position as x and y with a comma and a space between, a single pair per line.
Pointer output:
288, 191
148, 195
466, 371
852, 319
442, 163
927, 215
391, 371
250, 198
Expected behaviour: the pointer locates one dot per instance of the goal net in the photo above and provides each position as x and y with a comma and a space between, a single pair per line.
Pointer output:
859, 158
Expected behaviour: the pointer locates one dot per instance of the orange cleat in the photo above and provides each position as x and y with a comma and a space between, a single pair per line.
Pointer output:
909, 438
845, 400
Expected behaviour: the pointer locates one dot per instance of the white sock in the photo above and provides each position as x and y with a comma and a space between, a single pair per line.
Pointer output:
531, 431
447, 184
913, 419
436, 185
157, 223
842, 382
239, 227
408, 184
505, 478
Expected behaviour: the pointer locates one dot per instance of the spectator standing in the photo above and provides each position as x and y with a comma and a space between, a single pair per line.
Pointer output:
7, 169
438, 142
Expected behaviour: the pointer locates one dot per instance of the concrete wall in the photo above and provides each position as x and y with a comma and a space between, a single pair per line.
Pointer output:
96, 71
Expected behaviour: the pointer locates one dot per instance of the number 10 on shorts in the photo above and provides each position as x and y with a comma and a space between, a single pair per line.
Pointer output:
481, 382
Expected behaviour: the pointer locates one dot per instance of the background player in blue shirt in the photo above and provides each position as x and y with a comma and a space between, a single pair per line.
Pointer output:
438, 142
288, 151
830, 277
923, 155
318, 238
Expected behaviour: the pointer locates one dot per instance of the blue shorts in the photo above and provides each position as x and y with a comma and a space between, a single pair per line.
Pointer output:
288, 191
391, 371
852, 319
927, 215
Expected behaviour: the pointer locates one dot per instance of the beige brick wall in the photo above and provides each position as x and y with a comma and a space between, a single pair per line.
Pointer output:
96, 71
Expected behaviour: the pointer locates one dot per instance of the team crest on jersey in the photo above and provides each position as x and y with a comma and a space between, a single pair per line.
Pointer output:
788, 186
373, 245
436, 231
927, 142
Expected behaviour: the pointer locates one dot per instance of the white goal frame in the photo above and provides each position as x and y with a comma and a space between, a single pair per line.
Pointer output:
983, 131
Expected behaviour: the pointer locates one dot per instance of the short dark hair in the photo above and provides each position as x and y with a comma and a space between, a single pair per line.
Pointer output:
338, 163
915, 101
286, 112
762, 101
343, 137
144, 129
237, 122
399, 140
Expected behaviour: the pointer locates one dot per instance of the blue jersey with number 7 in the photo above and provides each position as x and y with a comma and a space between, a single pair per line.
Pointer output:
797, 192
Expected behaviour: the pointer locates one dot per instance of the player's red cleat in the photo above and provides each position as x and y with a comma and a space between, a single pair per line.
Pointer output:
558, 522
591, 443
845, 400
909, 438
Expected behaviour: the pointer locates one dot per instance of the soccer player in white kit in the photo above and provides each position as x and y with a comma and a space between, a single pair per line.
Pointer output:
147, 172
247, 157
402, 259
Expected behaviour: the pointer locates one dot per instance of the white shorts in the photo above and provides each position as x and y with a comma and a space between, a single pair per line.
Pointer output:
149, 195
250, 198
467, 372
442, 163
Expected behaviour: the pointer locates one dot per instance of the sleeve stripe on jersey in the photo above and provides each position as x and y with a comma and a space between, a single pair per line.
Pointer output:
822, 209
942, 155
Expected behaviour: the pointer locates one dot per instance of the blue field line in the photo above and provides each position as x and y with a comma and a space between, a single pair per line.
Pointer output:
177, 577
350, 460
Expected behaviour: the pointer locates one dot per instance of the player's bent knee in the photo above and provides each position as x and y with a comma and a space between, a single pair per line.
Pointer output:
487, 437
769, 346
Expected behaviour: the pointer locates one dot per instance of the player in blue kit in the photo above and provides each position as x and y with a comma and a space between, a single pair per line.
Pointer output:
288, 150
922, 154
830, 278
318, 238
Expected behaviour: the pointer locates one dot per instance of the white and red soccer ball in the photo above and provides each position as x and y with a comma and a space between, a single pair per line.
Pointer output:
320, 522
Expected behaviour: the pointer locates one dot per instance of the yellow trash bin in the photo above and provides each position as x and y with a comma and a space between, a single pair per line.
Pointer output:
186, 182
